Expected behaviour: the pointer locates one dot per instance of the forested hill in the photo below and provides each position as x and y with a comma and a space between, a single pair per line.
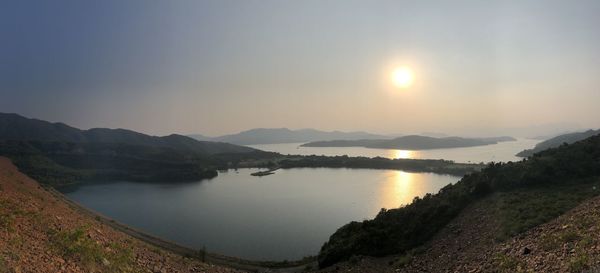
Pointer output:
58, 154
16, 127
557, 141
412, 142
397, 231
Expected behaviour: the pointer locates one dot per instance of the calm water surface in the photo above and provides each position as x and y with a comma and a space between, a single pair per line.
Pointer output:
501, 152
287, 215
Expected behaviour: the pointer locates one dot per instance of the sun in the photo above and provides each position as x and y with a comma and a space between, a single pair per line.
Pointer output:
402, 77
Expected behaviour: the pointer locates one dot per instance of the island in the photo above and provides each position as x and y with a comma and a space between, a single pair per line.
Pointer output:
412, 142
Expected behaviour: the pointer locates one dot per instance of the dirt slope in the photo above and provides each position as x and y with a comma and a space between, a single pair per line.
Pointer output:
569, 243
39, 232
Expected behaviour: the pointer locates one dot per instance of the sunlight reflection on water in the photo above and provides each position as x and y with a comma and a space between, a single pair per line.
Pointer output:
400, 188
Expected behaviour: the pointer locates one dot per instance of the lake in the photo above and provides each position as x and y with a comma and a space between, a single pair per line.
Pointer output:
501, 152
287, 215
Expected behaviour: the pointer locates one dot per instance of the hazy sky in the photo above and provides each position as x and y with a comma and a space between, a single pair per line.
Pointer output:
221, 66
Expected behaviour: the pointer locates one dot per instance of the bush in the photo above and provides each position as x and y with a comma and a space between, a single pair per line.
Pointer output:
76, 245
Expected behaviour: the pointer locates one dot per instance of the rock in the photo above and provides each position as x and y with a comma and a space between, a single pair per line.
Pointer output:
105, 262
526, 251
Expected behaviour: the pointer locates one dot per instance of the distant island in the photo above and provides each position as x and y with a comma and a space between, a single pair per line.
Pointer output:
557, 141
285, 135
412, 142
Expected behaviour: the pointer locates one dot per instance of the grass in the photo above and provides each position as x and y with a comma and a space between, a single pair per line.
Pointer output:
507, 264
404, 260
7, 221
518, 211
579, 263
8, 214
3, 266
76, 245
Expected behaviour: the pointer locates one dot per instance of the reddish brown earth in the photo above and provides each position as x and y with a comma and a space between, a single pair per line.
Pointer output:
569, 243
35, 225
462, 246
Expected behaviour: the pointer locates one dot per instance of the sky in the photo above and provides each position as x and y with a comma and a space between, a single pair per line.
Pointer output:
223, 66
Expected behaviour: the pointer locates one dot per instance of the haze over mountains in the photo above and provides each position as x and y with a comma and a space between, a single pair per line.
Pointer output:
58, 154
557, 141
412, 142
16, 127
285, 135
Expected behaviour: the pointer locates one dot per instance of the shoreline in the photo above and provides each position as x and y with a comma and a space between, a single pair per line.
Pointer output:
211, 258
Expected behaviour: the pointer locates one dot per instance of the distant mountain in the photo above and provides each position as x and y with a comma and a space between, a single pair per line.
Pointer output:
284, 135
16, 127
412, 142
498, 139
557, 141
200, 137
433, 134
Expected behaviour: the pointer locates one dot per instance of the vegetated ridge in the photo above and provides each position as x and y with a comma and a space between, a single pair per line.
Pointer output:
412, 142
16, 127
557, 141
57, 154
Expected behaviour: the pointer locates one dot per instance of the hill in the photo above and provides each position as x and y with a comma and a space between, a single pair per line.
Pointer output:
412, 142
557, 141
284, 135
527, 193
58, 154
469, 244
41, 232
16, 127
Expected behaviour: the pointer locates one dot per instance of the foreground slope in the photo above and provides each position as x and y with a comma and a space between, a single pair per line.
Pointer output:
569, 243
39, 232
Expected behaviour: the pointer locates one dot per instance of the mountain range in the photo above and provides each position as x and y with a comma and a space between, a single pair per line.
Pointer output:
58, 154
285, 135
16, 127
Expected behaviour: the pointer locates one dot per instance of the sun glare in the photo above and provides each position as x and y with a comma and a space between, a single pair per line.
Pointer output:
402, 77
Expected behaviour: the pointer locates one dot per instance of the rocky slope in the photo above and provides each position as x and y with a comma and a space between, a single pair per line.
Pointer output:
569, 243
39, 232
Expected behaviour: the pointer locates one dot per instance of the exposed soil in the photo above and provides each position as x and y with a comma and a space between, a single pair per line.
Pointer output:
569, 243
38, 233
